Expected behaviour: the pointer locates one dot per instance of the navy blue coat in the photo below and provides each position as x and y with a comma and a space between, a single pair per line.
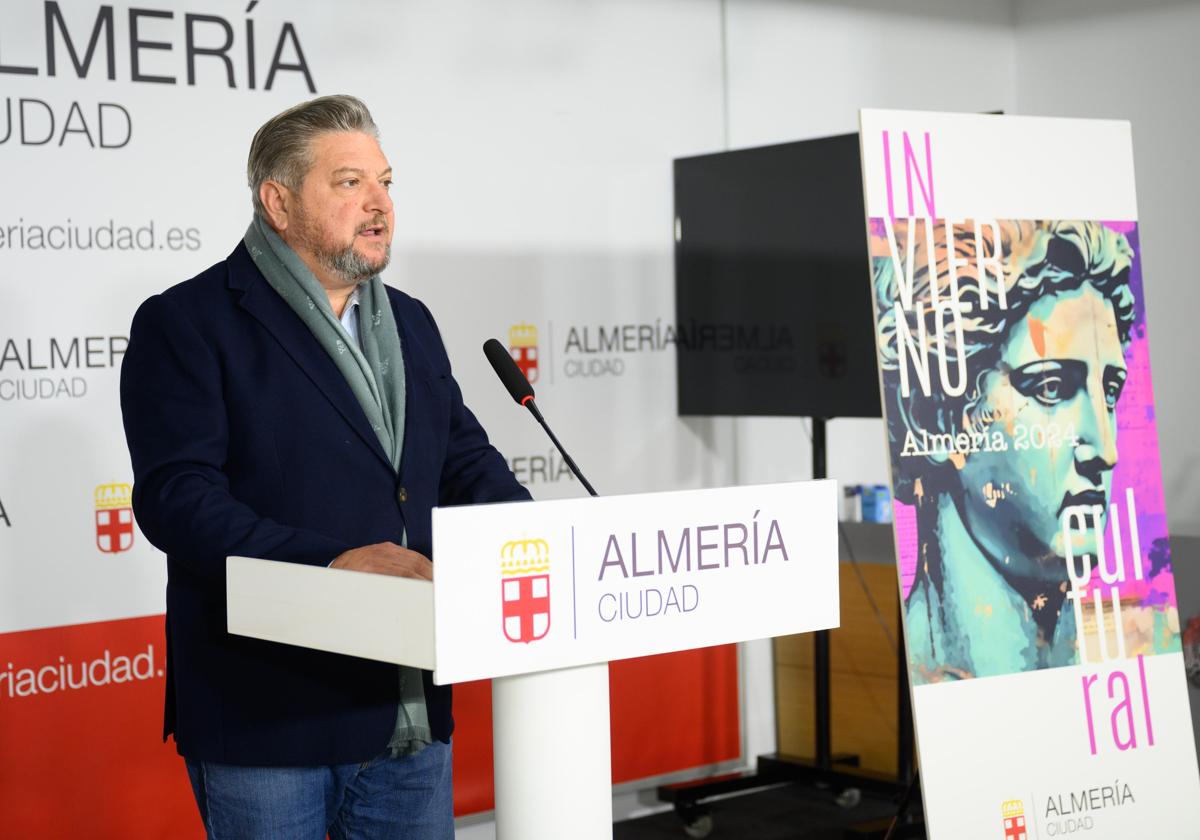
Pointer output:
246, 440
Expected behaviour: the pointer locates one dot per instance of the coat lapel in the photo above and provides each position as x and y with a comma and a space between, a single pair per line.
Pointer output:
406, 355
260, 300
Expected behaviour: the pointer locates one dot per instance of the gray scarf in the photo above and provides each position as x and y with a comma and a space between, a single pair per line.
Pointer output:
375, 374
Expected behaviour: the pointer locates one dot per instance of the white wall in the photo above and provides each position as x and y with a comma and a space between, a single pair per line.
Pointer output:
1138, 62
798, 70
803, 69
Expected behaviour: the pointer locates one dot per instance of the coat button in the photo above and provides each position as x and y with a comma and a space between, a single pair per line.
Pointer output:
402, 495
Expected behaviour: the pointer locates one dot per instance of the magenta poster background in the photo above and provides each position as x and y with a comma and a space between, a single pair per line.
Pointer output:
1139, 466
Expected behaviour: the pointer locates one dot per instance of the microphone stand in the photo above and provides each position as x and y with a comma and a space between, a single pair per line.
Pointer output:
518, 387
529, 403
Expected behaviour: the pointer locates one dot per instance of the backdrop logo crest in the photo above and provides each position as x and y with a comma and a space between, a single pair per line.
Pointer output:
525, 589
523, 345
114, 517
1013, 812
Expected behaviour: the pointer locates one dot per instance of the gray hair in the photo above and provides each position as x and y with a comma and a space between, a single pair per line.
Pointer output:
282, 148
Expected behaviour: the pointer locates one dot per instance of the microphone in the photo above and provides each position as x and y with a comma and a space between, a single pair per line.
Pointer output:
516, 383
519, 389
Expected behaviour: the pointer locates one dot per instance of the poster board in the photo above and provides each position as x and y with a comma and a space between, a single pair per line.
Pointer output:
1040, 616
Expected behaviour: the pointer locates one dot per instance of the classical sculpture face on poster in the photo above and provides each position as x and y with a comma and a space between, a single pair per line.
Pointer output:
1016, 427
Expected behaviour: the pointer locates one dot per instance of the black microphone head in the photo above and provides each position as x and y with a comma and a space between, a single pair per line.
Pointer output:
516, 383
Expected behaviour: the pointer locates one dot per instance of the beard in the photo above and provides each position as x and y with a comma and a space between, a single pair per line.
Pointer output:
341, 259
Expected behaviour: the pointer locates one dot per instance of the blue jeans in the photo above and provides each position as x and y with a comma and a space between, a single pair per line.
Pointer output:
406, 798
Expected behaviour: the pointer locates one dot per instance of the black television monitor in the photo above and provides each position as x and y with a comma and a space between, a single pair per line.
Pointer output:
772, 290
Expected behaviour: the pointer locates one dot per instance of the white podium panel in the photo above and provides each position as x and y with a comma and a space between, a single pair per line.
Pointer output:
526, 587
389, 619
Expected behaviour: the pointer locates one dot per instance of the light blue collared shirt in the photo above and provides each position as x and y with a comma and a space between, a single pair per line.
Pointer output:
349, 317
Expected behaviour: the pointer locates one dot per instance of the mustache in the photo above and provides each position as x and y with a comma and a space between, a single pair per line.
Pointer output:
1086, 498
378, 221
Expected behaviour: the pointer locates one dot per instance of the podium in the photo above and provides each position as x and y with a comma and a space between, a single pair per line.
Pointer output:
540, 596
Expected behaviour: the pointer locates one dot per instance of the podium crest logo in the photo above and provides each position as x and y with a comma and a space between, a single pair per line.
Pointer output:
1013, 811
523, 346
525, 590
114, 518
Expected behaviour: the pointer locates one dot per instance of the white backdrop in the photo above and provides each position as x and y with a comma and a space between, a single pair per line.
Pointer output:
533, 152
533, 144
511, 209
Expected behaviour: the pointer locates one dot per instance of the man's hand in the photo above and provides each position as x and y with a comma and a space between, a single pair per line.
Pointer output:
385, 559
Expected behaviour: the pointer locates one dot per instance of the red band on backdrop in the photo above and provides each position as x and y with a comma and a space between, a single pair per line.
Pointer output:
89, 761
81, 751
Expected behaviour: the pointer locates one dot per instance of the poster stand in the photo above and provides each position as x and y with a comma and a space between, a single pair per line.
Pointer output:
825, 771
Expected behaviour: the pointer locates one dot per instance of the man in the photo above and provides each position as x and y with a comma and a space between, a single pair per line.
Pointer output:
285, 404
